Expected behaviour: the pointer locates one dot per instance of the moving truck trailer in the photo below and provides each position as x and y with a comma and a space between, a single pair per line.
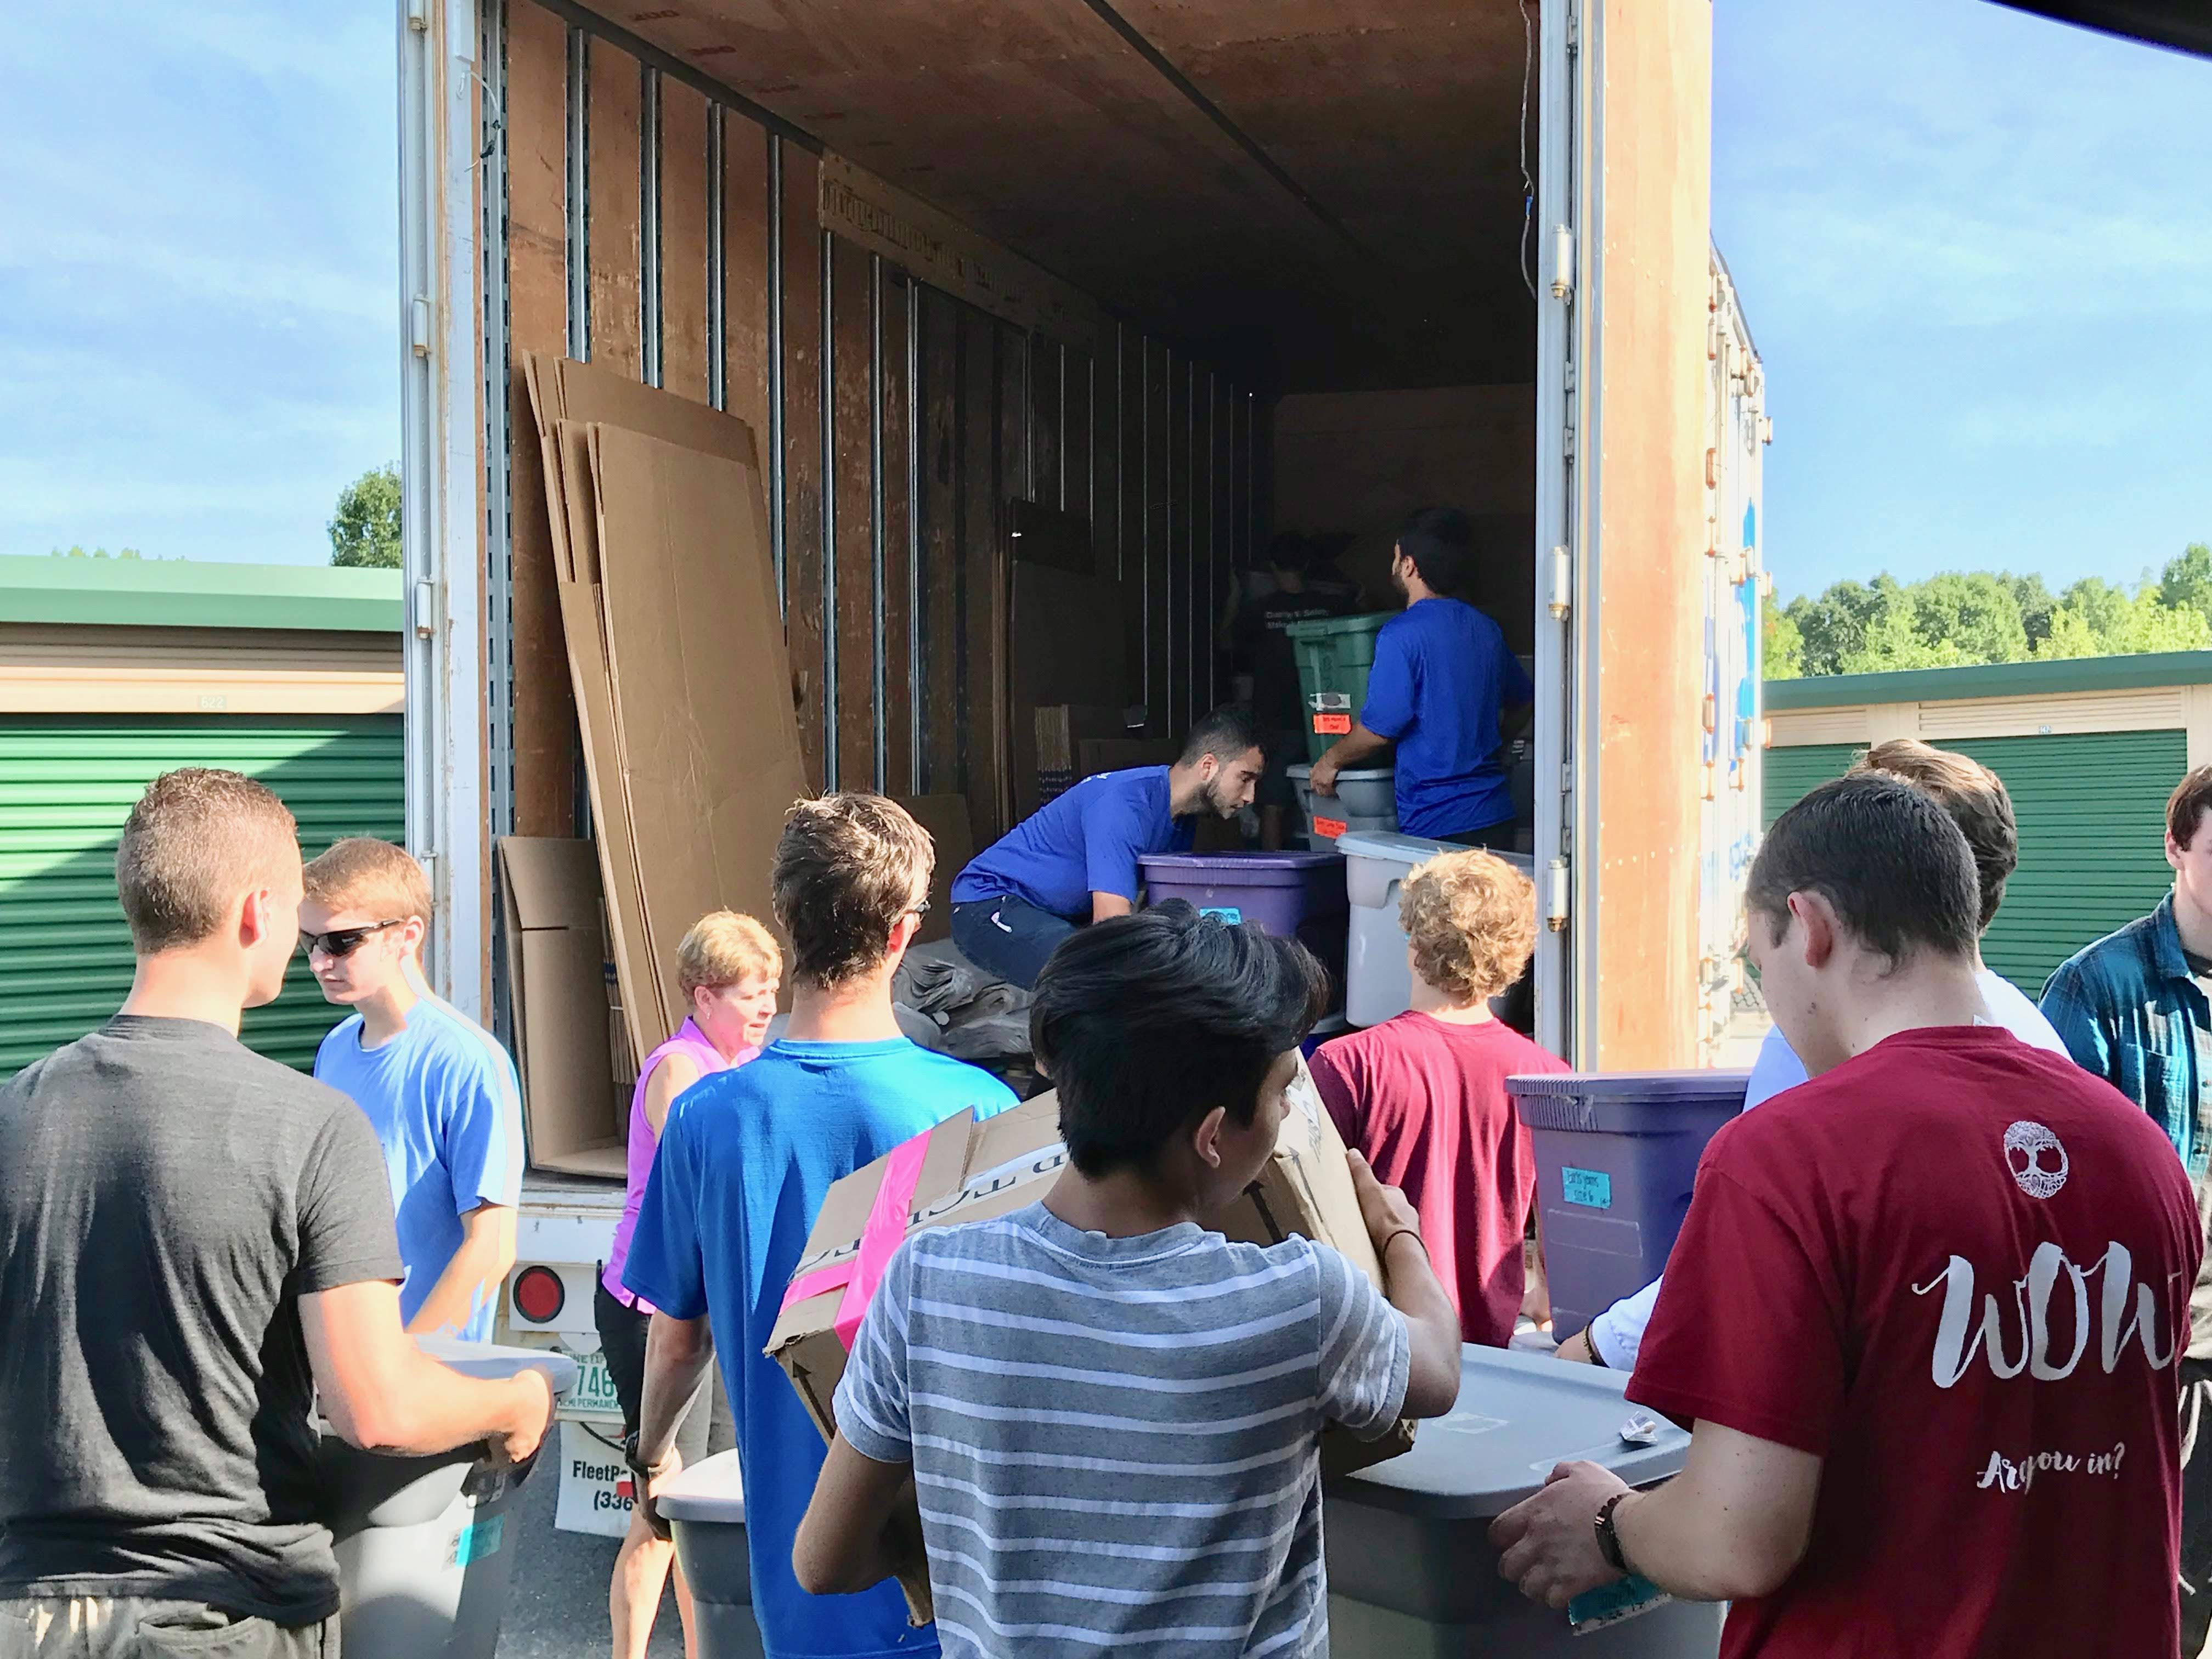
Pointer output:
1178, 272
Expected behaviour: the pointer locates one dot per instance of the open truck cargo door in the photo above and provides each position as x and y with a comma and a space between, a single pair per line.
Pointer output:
1625, 296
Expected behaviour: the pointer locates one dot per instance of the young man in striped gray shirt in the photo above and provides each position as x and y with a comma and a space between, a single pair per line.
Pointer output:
1110, 1413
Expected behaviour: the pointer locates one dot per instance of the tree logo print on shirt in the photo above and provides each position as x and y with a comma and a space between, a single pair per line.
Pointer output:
2036, 1159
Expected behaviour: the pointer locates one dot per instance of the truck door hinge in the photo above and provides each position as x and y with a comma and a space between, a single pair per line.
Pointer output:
1566, 777
418, 326
1561, 598
1555, 896
1563, 263
426, 611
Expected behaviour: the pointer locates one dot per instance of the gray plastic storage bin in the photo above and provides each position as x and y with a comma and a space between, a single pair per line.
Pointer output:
1366, 792
705, 1508
1378, 984
1411, 1572
425, 1545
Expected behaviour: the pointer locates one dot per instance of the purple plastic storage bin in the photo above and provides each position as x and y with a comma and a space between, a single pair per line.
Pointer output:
1616, 1153
1298, 896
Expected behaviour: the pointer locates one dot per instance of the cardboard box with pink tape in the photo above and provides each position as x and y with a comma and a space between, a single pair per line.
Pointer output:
963, 1170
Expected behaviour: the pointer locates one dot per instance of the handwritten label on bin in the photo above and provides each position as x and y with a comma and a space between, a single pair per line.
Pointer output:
1329, 829
1332, 726
1591, 1189
1609, 1604
1228, 913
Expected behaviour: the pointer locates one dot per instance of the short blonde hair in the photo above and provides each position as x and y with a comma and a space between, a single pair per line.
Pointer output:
197, 839
1471, 918
724, 947
363, 873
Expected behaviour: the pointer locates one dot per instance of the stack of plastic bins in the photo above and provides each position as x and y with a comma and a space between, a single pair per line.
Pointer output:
705, 1508
1378, 981
1411, 1572
426, 1545
1334, 655
1365, 800
1296, 895
1615, 1156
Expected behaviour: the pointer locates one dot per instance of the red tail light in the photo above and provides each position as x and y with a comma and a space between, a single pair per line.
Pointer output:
539, 1295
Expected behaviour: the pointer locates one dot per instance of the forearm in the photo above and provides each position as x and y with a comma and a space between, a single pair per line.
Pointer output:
1355, 747
1685, 1539
1432, 1377
472, 1279
435, 1409
677, 1355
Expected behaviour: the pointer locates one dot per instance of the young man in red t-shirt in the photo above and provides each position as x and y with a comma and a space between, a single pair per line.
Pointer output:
1924, 1313
1422, 1096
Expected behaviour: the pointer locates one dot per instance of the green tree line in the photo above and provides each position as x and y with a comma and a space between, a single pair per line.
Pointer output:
1964, 618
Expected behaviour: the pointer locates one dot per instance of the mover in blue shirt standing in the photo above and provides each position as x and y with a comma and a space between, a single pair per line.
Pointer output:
1075, 860
1441, 677
746, 1157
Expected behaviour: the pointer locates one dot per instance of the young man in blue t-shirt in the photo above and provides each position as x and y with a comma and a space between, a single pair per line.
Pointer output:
1074, 861
746, 1158
1440, 680
439, 1090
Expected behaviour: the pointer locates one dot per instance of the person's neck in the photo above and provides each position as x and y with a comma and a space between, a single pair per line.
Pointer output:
384, 1015
184, 985
2191, 922
1186, 791
857, 1011
1124, 1204
1914, 996
1441, 1005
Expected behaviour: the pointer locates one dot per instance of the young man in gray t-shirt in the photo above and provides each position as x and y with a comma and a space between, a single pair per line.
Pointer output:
194, 1242
1110, 1413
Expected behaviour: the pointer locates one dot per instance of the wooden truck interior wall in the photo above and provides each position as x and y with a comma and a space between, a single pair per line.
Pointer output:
654, 227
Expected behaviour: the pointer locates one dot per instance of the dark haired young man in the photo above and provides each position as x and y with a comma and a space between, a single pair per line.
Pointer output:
745, 1159
1923, 1315
1111, 1414
2134, 1008
1074, 860
1441, 678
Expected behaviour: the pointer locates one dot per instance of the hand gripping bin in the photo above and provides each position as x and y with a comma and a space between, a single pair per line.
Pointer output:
1365, 799
705, 1508
1411, 1571
1378, 981
426, 1545
1615, 1156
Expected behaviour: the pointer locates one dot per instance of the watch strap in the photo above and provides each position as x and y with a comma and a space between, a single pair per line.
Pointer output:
1608, 1539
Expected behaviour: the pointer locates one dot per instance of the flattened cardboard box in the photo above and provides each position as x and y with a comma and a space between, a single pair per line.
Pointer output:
573, 1112
975, 1171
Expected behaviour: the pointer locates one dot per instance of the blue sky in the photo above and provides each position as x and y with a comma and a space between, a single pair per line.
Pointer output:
1975, 246
1976, 250
198, 236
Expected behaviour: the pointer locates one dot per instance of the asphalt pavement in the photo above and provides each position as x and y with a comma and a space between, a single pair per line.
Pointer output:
558, 1606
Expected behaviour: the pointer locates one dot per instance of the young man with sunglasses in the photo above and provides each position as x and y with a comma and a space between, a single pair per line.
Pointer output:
441, 1092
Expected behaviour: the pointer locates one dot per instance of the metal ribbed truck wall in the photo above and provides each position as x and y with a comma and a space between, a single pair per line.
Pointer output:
67, 783
660, 225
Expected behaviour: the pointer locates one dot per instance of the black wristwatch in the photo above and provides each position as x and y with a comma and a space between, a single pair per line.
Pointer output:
642, 1472
1608, 1539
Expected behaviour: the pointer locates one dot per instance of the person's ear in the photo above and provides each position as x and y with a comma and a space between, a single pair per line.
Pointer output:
1205, 1140
1822, 929
412, 931
2174, 850
256, 917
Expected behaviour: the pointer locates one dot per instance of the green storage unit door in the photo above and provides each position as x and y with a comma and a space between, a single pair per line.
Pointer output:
2091, 812
67, 783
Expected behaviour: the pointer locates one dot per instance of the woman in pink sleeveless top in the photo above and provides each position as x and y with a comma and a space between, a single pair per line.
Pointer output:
728, 966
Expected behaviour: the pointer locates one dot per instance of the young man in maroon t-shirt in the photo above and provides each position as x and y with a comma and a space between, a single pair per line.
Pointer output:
1923, 1315
1422, 1096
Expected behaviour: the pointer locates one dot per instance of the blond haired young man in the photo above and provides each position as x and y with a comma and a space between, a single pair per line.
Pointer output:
195, 1244
441, 1092
1422, 1095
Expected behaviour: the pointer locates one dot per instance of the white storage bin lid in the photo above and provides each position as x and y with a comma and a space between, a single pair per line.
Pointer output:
713, 1490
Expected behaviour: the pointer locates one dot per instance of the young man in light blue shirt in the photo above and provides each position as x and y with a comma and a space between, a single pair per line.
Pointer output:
1074, 861
747, 1157
438, 1088
1442, 677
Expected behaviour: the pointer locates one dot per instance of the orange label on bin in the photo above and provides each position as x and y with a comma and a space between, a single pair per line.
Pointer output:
1329, 829
1332, 726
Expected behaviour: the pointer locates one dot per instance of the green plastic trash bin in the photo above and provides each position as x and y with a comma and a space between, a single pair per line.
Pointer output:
705, 1508
426, 1545
1334, 655
1411, 1571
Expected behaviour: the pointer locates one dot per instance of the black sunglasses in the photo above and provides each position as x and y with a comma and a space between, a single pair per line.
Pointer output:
342, 941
